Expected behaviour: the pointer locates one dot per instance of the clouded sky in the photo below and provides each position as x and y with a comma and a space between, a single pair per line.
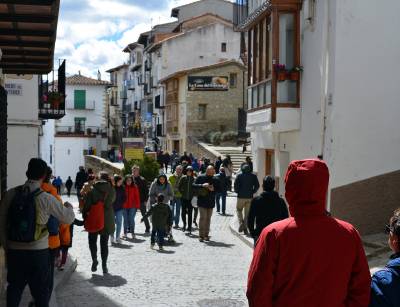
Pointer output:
92, 33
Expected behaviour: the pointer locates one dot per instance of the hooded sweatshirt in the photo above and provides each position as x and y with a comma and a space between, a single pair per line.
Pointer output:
310, 259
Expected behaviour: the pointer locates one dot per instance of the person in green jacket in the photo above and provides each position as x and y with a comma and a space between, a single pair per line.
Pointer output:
161, 217
102, 190
185, 187
176, 201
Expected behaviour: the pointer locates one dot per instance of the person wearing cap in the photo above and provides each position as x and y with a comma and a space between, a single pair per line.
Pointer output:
310, 259
186, 189
385, 287
266, 209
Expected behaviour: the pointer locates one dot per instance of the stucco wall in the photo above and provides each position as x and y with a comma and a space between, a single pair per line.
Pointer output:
218, 7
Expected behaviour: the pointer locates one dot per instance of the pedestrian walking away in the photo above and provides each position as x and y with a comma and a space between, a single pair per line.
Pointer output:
386, 283
223, 192
246, 185
160, 213
266, 209
141, 183
176, 201
130, 206
206, 186
118, 206
81, 178
100, 197
68, 186
186, 189
300, 261
27, 248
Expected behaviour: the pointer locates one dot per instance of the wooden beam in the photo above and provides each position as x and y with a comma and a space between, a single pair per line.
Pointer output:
24, 60
28, 18
20, 43
31, 2
23, 65
21, 32
25, 52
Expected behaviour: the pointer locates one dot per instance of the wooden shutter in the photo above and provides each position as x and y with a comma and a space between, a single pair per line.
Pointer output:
79, 99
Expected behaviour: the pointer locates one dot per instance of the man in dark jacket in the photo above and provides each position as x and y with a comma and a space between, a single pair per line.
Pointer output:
246, 185
186, 189
266, 209
223, 192
81, 178
207, 186
310, 259
144, 194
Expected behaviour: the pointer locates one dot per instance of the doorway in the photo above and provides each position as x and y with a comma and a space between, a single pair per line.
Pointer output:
176, 146
270, 166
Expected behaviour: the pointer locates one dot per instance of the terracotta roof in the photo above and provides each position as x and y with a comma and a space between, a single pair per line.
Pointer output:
82, 80
201, 68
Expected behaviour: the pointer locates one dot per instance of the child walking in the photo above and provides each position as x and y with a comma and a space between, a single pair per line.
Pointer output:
161, 215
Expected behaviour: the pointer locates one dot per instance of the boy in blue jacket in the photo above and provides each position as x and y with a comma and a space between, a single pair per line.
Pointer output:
385, 290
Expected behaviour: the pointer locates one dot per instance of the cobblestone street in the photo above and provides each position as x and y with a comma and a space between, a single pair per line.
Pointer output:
189, 273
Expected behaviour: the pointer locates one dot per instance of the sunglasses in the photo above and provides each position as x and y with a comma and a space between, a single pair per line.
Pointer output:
388, 229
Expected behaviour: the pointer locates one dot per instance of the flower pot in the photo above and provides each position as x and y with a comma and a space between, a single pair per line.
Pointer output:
294, 75
55, 103
281, 76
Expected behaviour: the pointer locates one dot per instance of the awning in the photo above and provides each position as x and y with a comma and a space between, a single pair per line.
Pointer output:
28, 30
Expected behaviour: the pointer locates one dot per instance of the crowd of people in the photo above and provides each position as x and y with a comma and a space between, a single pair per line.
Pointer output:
303, 256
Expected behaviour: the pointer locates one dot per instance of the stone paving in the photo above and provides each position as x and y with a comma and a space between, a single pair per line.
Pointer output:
187, 274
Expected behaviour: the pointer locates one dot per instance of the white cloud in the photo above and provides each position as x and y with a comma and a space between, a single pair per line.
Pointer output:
93, 38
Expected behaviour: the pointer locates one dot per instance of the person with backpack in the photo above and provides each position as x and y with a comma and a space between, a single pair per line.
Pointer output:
130, 206
68, 185
310, 259
98, 214
266, 209
160, 213
24, 214
81, 178
385, 286
118, 205
246, 185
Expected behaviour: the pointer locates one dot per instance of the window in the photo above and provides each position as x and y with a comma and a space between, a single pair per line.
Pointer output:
223, 47
233, 80
80, 124
80, 99
202, 112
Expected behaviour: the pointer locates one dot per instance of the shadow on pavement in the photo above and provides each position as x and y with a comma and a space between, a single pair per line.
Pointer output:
166, 252
121, 246
136, 240
107, 280
219, 244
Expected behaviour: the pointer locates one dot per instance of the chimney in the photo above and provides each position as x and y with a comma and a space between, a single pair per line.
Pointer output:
79, 72
98, 75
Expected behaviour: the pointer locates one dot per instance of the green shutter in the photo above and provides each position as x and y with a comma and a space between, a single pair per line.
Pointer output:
80, 99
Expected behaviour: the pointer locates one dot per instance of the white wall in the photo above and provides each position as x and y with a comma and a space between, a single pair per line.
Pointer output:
217, 7
47, 142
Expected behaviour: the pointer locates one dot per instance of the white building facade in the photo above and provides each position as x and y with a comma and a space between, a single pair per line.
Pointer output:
317, 87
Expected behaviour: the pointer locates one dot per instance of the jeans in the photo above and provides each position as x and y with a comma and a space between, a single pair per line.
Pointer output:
187, 210
205, 221
176, 210
118, 222
145, 218
129, 219
103, 247
30, 267
218, 197
160, 233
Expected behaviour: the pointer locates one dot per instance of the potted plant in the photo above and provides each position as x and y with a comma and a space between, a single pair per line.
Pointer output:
55, 99
294, 74
280, 70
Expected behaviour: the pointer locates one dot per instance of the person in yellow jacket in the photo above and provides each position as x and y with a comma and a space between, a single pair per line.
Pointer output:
53, 228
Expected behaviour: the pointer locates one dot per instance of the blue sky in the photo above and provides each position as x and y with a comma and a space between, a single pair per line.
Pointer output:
92, 33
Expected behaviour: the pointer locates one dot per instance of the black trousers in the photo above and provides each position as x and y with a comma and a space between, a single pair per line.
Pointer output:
145, 219
187, 210
196, 213
32, 268
69, 192
103, 247
53, 255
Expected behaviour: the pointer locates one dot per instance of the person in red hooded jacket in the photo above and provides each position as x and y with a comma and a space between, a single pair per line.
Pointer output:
130, 206
310, 259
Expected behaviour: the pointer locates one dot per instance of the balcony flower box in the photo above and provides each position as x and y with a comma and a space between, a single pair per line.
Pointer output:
281, 72
55, 99
294, 75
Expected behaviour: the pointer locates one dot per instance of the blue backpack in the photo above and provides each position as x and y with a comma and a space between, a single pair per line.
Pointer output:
22, 215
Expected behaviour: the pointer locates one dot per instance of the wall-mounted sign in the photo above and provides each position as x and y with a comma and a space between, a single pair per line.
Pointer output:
196, 83
133, 148
13, 89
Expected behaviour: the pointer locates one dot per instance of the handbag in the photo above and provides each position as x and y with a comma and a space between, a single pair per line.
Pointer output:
94, 221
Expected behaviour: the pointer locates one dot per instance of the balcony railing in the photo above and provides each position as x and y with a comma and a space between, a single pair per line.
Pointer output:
80, 131
240, 11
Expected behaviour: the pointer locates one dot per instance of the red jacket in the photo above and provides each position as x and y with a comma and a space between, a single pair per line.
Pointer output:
309, 259
132, 197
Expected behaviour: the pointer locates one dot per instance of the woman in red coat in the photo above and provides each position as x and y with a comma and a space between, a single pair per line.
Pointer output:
131, 205
310, 259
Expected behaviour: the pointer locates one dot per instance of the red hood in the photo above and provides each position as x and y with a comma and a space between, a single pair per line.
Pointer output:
306, 187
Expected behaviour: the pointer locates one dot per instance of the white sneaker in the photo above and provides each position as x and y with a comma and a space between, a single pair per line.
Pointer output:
119, 241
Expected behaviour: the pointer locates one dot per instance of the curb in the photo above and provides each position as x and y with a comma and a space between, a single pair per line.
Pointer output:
233, 225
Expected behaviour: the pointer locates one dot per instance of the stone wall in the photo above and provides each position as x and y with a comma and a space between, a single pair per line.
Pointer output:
98, 164
198, 150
